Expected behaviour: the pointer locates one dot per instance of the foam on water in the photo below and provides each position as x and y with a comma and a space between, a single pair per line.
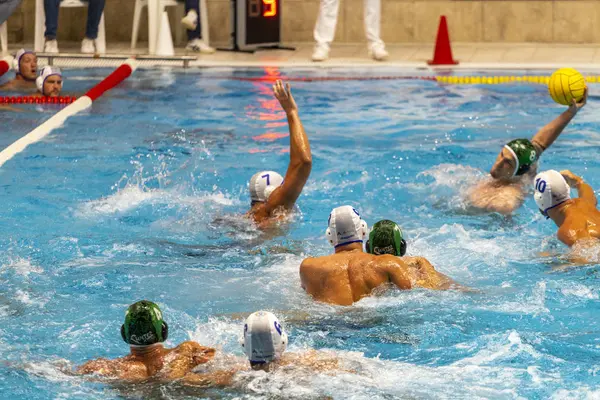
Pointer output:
581, 393
22, 267
123, 200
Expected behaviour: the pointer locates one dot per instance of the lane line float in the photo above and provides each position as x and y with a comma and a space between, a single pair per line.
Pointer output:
81, 104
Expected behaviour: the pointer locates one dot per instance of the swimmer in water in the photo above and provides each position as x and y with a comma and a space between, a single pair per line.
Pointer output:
578, 220
25, 65
350, 274
50, 82
270, 193
516, 165
264, 343
145, 330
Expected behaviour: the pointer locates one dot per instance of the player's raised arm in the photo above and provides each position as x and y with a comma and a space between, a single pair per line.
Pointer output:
549, 133
584, 191
300, 155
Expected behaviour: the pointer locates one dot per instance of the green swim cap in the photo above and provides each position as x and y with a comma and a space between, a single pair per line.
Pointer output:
386, 238
144, 324
524, 153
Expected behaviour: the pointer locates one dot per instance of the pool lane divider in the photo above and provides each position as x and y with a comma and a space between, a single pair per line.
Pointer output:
81, 104
447, 80
62, 100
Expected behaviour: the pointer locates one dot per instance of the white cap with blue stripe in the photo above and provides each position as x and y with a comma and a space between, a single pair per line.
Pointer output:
345, 226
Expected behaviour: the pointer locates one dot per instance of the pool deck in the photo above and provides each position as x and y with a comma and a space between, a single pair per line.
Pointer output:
470, 56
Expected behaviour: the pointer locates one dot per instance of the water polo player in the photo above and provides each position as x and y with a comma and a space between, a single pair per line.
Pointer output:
25, 65
144, 330
577, 219
265, 343
351, 274
516, 165
270, 193
50, 82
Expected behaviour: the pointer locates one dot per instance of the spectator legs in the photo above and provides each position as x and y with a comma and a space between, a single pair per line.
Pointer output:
325, 27
373, 22
95, 9
51, 9
193, 5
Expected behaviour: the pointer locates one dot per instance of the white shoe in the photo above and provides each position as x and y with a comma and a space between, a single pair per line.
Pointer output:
199, 46
321, 53
88, 46
190, 21
379, 53
51, 46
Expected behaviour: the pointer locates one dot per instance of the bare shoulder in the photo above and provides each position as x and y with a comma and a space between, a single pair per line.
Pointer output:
187, 347
92, 366
106, 367
385, 260
194, 350
417, 260
191, 347
495, 196
311, 263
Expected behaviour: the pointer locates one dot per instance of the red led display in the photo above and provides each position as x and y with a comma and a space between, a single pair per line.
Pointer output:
268, 8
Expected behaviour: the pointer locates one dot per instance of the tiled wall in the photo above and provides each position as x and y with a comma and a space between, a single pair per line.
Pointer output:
562, 21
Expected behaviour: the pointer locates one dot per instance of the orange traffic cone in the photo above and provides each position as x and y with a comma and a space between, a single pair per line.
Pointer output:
442, 54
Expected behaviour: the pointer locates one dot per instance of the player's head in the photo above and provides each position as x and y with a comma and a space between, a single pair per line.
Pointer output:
144, 324
551, 190
515, 159
345, 226
25, 64
262, 184
264, 339
386, 238
50, 81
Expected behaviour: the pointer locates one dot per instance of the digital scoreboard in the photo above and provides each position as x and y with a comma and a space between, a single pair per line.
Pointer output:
257, 23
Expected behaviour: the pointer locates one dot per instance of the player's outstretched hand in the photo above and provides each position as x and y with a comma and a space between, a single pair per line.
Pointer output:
284, 95
576, 106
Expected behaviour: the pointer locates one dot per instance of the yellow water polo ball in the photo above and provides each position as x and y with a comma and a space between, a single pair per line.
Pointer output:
565, 85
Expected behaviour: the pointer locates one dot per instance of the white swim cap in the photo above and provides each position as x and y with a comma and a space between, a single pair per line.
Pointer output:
263, 183
17, 60
345, 227
264, 337
46, 73
551, 189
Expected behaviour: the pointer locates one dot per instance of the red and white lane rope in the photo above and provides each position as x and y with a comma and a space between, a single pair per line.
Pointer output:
82, 103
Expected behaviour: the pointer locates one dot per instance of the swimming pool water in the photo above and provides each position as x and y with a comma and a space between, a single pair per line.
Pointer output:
140, 197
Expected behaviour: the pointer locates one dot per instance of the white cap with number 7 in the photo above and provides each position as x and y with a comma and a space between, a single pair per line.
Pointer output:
262, 185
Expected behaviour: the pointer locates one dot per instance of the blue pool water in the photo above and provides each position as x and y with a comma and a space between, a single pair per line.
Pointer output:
140, 196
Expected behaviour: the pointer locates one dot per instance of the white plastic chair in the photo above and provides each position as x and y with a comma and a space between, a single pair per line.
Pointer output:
40, 24
4, 38
155, 12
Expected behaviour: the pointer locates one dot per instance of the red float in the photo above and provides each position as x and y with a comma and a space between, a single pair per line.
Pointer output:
63, 100
118, 76
4, 67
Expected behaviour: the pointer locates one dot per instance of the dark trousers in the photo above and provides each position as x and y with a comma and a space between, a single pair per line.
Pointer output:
95, 9
193, 5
